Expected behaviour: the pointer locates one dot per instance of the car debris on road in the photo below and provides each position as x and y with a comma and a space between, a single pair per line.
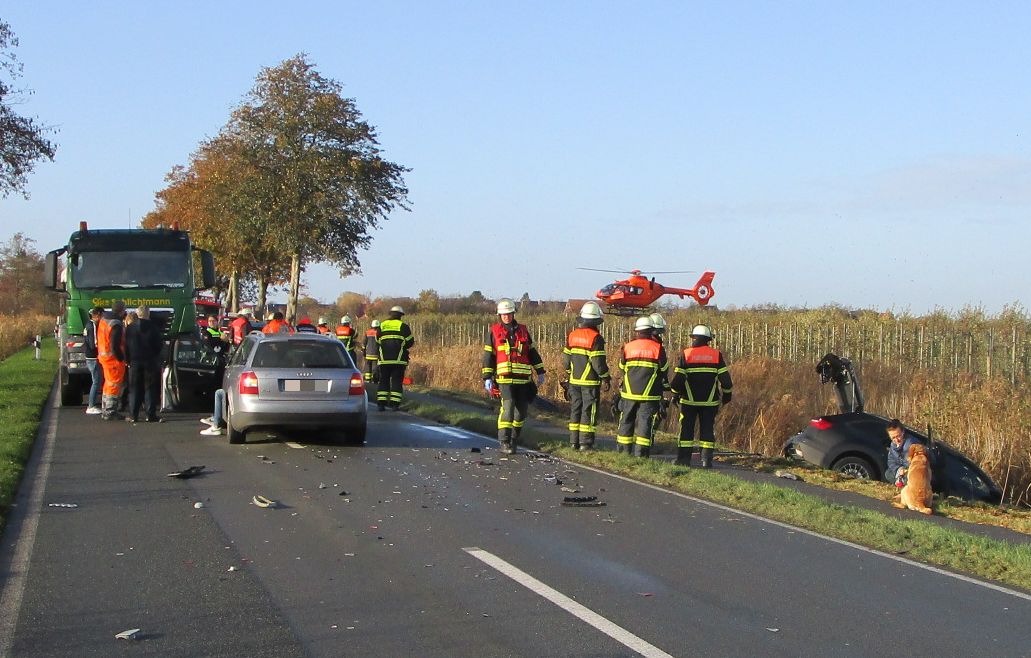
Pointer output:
186, 473
262, 501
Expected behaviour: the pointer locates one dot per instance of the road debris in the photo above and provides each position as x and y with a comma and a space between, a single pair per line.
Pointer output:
69, 505
190, 472
233, 568
131, 634
787, 475
265, 459
582, 501
474, 449
198, 505
262, 501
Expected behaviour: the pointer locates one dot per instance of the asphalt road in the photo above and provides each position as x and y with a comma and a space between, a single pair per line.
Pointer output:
416, 545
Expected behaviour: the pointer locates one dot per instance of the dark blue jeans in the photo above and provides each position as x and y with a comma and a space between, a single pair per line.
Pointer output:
97, 373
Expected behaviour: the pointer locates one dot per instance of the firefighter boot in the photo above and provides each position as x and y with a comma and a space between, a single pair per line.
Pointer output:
574, 440
621, 448
707, 457
683, 456
641, 451
505, 439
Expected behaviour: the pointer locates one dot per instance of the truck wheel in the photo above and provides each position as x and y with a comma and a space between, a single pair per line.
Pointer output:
71, 390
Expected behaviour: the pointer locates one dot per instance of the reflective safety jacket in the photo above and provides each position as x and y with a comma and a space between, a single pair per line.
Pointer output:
239, 328
345, 334
584, 357
644, 366
509, 356
701, 376
395, 339
277, 327
110, 339
371, 344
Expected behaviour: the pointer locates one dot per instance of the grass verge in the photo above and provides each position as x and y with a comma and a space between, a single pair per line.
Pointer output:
914, 538
25, 384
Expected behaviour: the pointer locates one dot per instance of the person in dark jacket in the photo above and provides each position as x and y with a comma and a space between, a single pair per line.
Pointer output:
702, 381
898, 452
96, 372
394, 340
587, 371
143, 353
645, 367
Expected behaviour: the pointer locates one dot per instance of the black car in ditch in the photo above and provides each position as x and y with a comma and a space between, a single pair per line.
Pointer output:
855, 442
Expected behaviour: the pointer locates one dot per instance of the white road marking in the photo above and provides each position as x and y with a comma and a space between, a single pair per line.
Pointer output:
617, 633
295, 446
812, 533
450, 431
14, 588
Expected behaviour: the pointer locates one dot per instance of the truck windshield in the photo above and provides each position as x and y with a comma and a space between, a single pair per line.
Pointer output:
131, 269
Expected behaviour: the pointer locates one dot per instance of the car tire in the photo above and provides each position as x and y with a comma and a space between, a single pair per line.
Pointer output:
355, 436
234, 435
857, 467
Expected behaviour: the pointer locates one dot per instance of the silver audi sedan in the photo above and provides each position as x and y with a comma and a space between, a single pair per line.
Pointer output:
294, 381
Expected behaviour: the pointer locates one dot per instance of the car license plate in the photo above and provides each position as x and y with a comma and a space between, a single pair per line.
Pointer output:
302, 385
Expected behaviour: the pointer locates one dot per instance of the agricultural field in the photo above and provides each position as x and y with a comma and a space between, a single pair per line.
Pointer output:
962, 375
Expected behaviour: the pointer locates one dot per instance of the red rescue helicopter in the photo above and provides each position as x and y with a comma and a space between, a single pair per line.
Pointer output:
633, 295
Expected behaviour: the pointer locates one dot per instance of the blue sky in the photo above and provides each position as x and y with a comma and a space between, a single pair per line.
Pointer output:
873, 154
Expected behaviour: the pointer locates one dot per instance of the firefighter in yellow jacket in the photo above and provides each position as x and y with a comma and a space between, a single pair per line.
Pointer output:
587, 370
510, 359
645, 369
702, 381
394, 339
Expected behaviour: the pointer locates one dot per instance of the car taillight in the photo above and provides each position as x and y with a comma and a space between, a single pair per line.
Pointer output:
357, 386
248, 384
820, 423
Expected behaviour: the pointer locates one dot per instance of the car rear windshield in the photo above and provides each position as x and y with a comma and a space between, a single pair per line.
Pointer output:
299, 354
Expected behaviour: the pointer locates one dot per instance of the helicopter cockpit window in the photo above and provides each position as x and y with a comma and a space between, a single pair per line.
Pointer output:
609, 289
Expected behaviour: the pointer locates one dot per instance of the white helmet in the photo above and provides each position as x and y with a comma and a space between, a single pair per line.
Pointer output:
375, 323
397, 309
702, 331
506, 306
643, 324
322, 320
591, 311
344, 320
245, 311
657, 322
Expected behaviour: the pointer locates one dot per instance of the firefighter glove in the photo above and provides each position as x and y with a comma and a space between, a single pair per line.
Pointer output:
606, 384
726, 398
488, 384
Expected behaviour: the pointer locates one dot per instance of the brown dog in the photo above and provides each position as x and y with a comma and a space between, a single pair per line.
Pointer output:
916, 495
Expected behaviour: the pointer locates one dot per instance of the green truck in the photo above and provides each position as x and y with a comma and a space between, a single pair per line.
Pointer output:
151, 267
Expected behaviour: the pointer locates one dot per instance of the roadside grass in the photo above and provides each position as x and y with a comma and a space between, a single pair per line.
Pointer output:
25, 384
914, 538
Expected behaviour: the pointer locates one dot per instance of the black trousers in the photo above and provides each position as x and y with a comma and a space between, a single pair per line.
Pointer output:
144, 387
706, 419
391, 379
515, 402
583, 414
